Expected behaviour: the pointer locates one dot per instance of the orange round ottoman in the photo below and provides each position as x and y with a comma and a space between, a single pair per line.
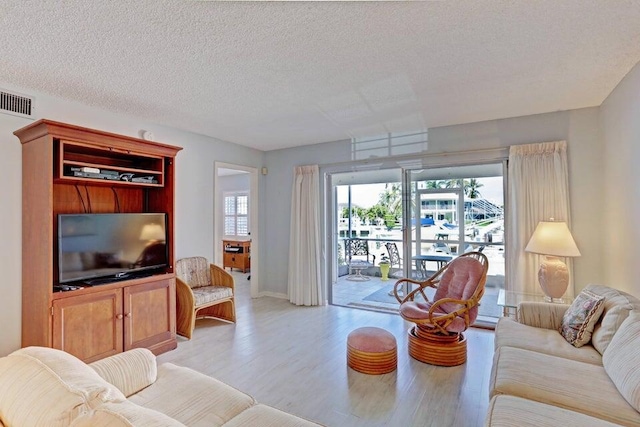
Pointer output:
372, 351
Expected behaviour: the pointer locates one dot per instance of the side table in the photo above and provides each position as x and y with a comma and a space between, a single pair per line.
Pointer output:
509, 300
358, 266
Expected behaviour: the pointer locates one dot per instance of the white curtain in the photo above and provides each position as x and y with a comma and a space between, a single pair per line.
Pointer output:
305, 286
538, 190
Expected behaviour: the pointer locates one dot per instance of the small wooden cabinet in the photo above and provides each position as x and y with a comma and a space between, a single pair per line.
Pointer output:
95, 325
59, 163
237, 254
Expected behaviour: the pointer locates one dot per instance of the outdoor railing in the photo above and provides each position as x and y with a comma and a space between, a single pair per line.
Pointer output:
376, 247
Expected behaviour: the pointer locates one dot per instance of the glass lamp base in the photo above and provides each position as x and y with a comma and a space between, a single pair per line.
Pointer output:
554, 300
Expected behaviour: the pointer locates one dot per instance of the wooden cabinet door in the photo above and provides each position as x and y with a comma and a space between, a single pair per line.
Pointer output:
150, 316
89, 326
228, 260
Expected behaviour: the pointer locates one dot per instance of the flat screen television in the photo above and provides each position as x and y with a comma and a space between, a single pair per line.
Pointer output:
99, 248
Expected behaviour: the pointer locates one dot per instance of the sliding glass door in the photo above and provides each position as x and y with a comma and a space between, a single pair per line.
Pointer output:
367, 238
393, 223
460, 209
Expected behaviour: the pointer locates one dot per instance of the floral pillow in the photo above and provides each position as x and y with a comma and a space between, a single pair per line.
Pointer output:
581, 317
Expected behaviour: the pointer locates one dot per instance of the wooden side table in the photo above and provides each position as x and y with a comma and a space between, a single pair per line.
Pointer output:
236, 254
358, 266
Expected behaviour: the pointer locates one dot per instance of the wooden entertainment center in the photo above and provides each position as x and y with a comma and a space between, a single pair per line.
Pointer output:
58, 177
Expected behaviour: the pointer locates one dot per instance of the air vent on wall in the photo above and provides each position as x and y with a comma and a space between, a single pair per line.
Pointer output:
16, 104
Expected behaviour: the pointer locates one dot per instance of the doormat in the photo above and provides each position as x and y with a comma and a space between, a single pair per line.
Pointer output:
488, 304
382, 295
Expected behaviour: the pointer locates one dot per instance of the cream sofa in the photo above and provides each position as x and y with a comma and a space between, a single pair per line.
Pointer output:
46, 387
539, 379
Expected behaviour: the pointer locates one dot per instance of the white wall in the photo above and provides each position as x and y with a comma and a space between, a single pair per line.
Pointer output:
276, 209
620, 172
237, 182
11, 234
579, 128
194, 190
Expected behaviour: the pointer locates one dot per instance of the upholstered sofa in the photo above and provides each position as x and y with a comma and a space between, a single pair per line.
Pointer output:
539, 379
46, 387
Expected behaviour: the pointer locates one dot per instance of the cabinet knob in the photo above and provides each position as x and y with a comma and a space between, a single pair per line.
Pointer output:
127, 315
119, 316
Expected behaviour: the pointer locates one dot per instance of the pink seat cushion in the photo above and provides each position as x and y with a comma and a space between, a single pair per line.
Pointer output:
371, 340
459, 281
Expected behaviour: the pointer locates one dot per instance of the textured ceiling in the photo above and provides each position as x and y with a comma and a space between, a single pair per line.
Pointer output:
279, 74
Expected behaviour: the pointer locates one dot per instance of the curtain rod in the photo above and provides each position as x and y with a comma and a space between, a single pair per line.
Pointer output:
500, 154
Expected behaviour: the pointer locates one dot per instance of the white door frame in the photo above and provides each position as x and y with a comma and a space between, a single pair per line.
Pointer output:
253, 220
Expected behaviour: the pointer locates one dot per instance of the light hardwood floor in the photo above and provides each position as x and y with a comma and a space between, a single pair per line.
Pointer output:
294, 358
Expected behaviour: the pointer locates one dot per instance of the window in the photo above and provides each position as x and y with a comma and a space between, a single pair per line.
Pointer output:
236, 214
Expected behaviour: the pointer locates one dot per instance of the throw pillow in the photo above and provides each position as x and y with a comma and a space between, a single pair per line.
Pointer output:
621, 360
617, 306
581, 317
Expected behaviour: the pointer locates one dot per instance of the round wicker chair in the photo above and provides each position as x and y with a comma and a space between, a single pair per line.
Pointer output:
437, 337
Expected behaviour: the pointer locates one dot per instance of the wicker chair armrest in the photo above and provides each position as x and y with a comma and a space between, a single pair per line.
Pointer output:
420, 289
220, 277
130, 371
541, 314
442, 321
465, 305
184, 294
397, 286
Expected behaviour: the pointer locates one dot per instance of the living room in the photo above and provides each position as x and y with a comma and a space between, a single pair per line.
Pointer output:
601, 133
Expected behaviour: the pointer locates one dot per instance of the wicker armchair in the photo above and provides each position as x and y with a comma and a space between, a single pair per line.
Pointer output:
438, 336
202, 290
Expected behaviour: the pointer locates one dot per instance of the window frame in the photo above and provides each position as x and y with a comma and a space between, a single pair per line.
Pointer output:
236, 215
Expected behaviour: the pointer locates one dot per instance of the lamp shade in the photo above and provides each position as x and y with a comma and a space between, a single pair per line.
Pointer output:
552, 238
152, 232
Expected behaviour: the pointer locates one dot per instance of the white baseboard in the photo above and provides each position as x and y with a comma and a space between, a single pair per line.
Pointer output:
273, 294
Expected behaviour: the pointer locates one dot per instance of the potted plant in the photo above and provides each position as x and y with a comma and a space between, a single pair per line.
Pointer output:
384, 265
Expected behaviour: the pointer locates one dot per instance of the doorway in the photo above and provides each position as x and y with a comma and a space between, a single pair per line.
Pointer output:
236, 216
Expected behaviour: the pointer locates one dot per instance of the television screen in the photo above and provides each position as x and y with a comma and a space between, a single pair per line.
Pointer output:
111, 246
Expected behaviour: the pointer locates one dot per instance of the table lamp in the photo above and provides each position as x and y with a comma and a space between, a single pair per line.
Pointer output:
553, 239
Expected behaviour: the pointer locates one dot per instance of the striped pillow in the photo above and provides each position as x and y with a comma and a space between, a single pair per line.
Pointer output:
581, 317
621, 359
